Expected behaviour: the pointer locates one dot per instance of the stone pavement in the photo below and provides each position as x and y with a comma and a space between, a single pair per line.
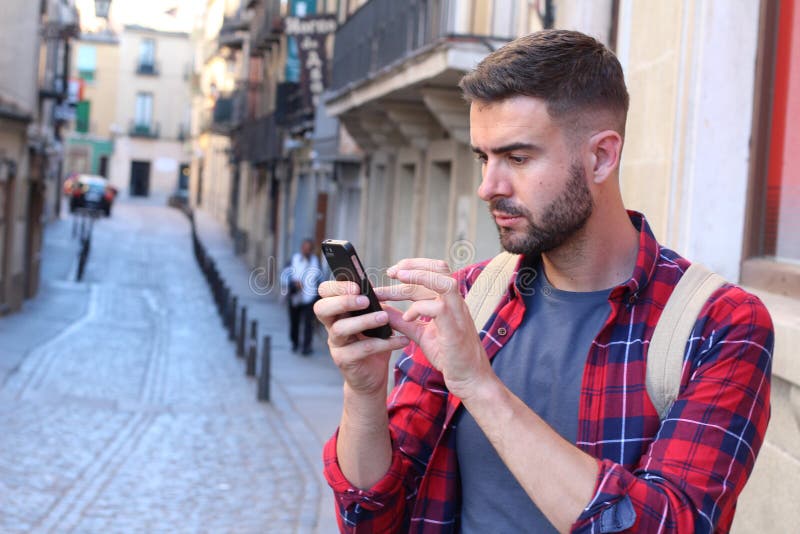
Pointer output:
124, 409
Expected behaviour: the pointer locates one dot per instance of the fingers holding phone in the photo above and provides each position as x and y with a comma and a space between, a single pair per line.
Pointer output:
345, 312
359, 336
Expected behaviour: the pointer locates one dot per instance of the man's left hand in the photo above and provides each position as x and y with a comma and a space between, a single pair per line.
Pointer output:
439, 321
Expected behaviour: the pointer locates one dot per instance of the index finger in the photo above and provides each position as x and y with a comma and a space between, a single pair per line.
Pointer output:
419, 264
333, 288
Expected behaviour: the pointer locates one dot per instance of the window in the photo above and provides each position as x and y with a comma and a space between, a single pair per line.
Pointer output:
87, 62
147, 57
144, 111
772, 249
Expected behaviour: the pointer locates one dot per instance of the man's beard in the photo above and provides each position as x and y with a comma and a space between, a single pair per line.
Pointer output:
561, 219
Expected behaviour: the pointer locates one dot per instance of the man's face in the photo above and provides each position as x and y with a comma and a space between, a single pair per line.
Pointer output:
535, 185
306, 248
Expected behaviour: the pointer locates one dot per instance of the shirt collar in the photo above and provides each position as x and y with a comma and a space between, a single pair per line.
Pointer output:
646, 260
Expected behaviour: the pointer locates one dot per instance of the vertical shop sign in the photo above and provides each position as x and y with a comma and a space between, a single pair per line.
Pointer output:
311, 34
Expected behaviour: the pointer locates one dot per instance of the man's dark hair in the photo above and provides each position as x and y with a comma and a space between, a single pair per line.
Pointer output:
572, 72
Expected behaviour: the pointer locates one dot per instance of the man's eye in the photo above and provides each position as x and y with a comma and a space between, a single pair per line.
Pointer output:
481, 158
518, 160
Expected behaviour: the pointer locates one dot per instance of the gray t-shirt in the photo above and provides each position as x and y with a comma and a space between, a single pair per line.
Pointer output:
543, 365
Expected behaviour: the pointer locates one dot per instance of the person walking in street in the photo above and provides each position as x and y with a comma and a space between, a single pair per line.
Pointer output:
304, 276
543, 418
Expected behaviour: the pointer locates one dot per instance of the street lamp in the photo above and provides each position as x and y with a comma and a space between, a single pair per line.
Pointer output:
101, 8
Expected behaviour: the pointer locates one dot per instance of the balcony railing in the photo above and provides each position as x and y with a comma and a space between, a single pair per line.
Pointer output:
267, 24
142, 129
383, 32
259, 141
226, 115
232, 32
147, 68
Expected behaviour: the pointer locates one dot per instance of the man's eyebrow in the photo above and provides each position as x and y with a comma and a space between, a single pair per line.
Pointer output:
506, 148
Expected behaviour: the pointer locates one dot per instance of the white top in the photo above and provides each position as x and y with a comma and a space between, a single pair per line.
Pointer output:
308, 273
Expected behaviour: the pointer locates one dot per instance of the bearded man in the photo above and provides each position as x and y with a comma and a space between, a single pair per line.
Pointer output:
541, 420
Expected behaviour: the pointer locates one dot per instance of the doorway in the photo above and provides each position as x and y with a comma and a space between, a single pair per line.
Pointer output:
103, 167
140, 178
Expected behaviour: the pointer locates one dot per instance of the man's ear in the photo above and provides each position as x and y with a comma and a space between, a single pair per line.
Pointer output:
606, 149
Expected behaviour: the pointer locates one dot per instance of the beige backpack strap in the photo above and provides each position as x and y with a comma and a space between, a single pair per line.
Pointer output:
668, 344
490, 287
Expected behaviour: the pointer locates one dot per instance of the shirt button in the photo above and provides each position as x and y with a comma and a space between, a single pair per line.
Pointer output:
501, 331
632, 299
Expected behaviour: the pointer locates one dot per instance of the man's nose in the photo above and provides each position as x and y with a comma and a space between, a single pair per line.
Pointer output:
494, 182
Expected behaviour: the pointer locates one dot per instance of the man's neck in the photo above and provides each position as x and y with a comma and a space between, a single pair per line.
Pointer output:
602, 255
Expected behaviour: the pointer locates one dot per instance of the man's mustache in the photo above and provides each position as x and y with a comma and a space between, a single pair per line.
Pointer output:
507, 207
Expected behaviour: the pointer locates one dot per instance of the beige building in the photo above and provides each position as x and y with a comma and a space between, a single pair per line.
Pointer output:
217, 100
153, 112
34, 38
718, 179
95, 67
257, 179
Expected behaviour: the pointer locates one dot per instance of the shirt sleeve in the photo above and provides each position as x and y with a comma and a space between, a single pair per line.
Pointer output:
416, 416
705, 450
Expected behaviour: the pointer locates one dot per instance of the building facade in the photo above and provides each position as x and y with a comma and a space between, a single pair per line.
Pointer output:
94, 77
385, 162
217, 100
718, 179
34, 65
255, 165
153, 112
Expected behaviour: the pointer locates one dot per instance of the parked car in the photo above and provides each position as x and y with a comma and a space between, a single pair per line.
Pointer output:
88, 191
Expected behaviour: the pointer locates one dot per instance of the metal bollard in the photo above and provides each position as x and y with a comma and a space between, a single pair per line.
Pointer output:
242, 334
223, 297
264, 376
232, 318
216, 287
250, 361
224, 303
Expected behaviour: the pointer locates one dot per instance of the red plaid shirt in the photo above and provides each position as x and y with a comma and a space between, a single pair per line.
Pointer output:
682, 474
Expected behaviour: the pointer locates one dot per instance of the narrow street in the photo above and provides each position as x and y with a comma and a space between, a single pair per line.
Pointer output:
132, 414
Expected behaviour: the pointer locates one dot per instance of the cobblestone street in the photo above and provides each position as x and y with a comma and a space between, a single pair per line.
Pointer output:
135, 416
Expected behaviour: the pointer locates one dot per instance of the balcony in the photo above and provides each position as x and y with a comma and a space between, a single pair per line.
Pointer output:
384, 33
144, 130
267, 25
290, 111
259, 141
226, 115
233, 31
147, 68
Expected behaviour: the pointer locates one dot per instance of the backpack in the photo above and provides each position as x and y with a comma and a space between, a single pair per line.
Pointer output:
667, 346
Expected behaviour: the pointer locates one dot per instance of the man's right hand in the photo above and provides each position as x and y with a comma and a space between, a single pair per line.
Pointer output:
363, 361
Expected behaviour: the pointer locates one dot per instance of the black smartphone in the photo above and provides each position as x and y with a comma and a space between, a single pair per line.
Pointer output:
346, 267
